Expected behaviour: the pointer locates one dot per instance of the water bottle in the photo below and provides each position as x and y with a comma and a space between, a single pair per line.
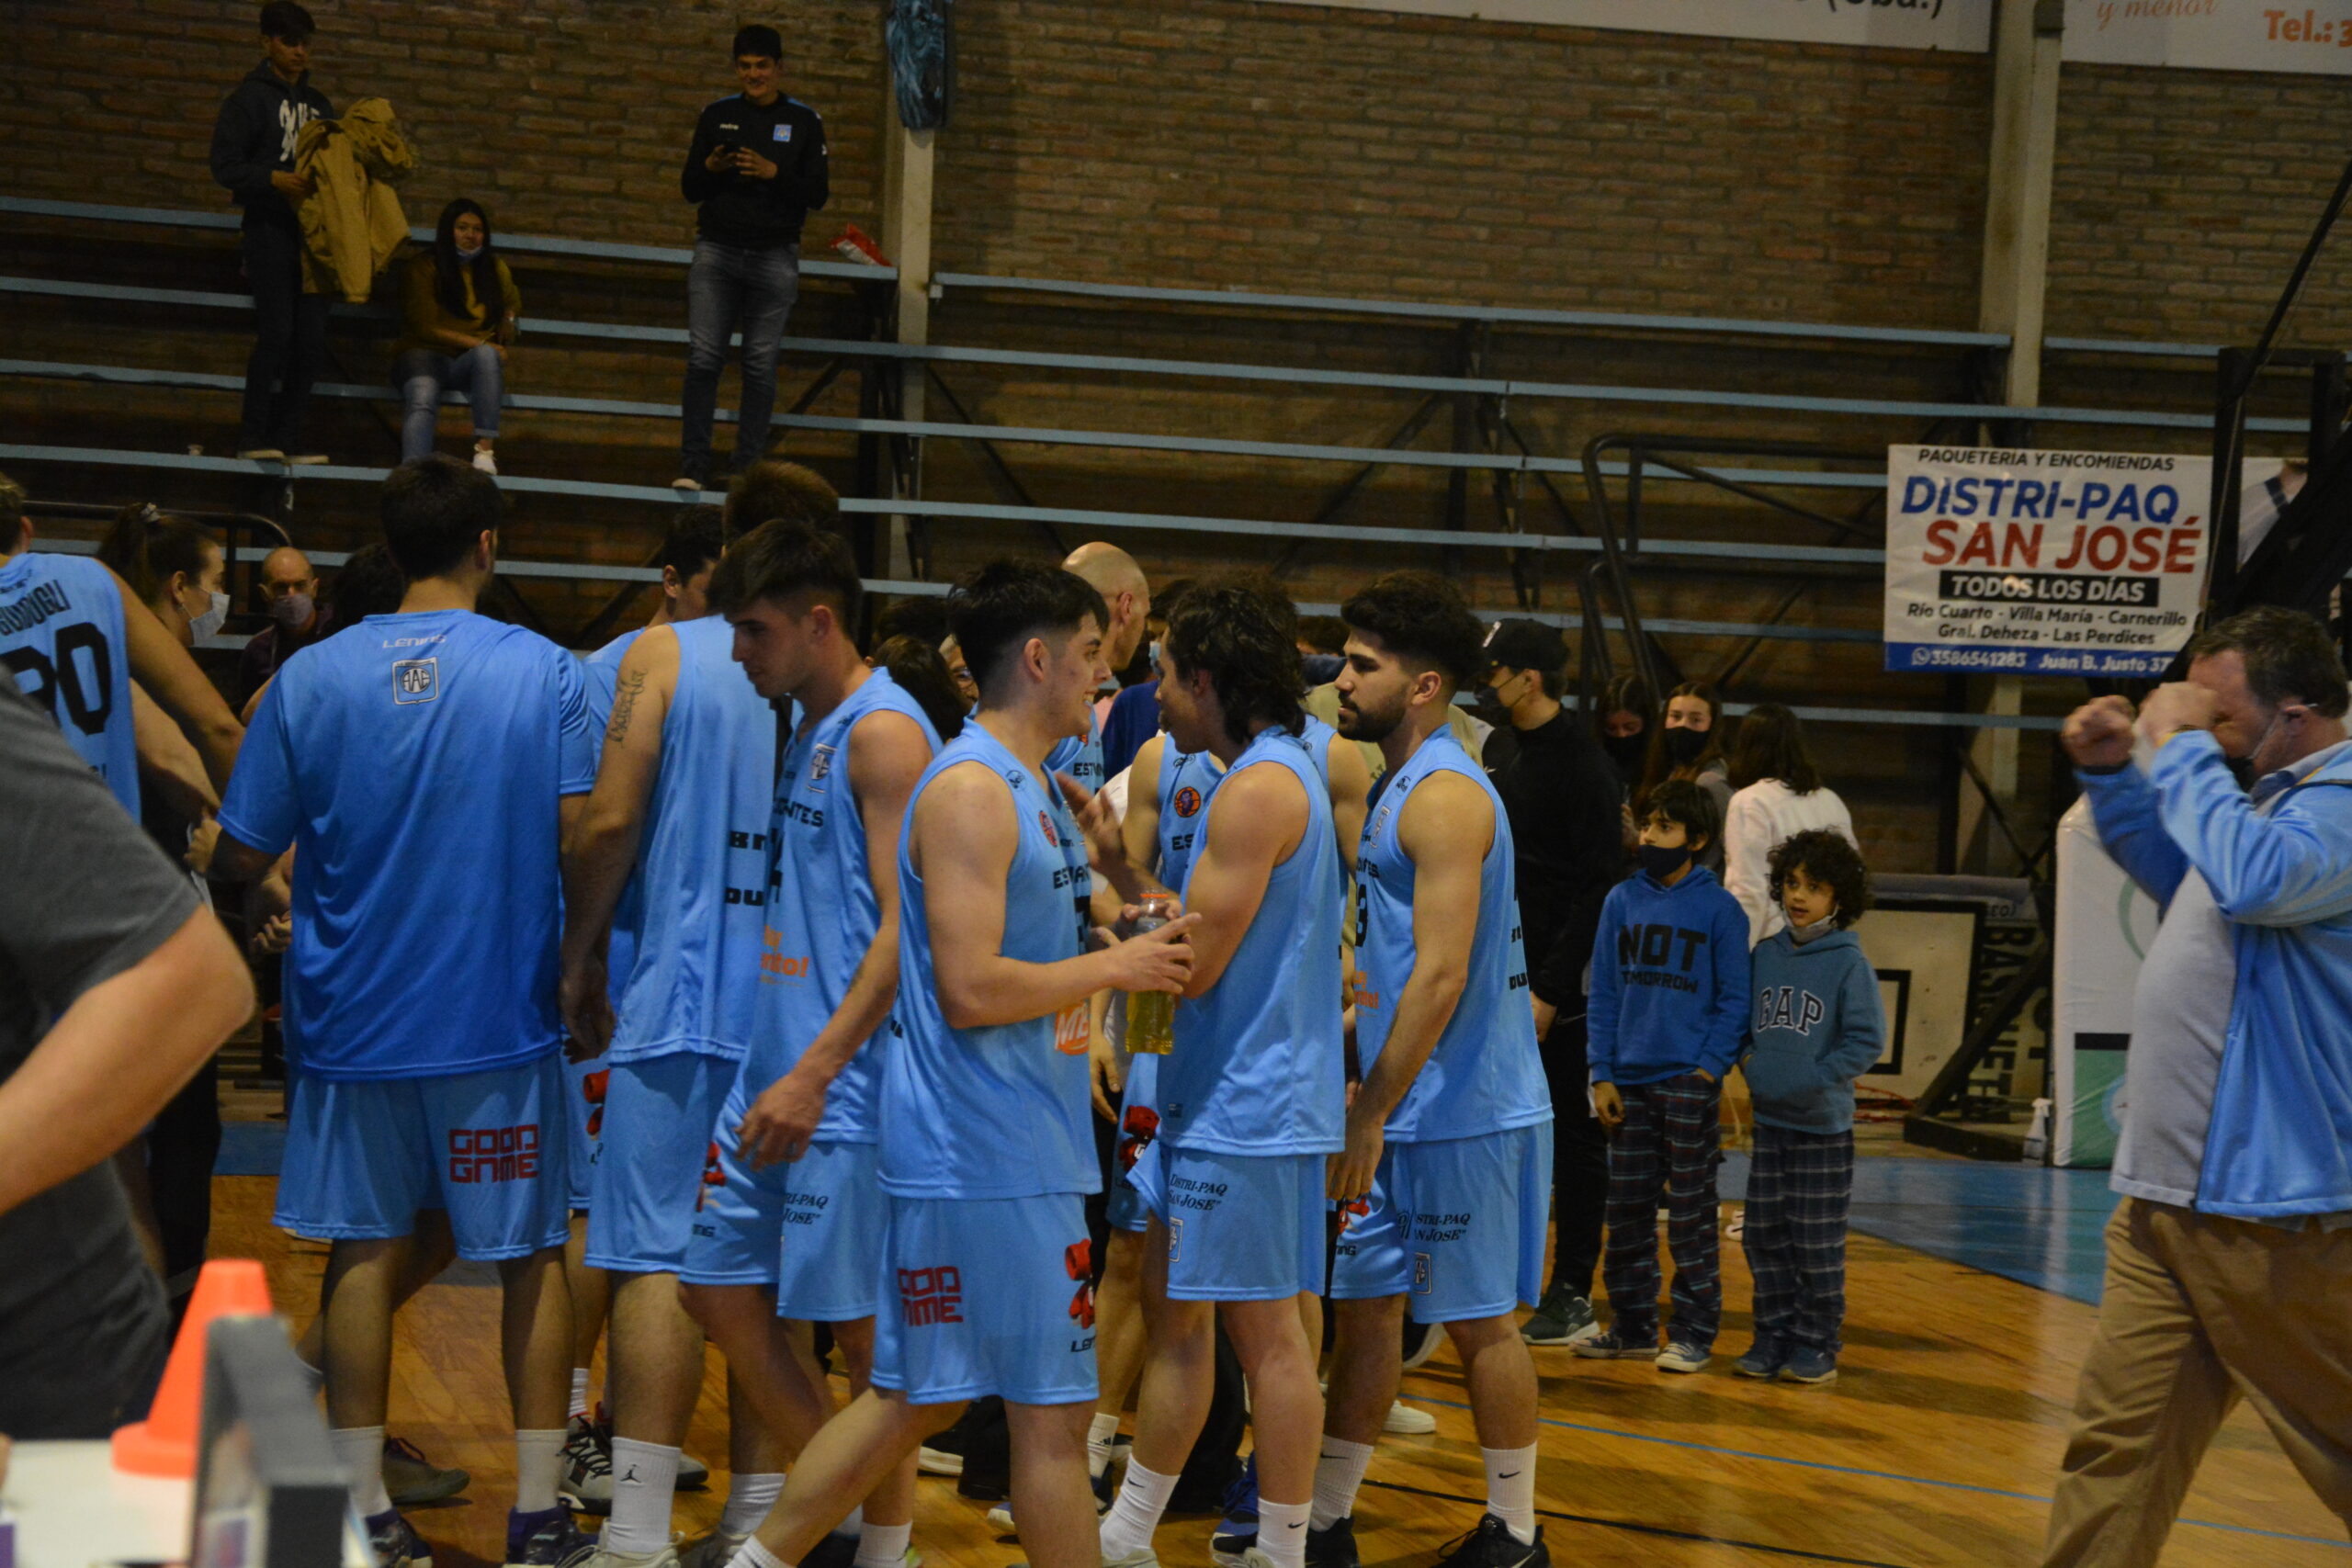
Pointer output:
1151, 1015
2037, 1136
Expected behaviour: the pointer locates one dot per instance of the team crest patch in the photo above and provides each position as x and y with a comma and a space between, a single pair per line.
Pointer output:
820, 762
1045, 822
416, 680
1188, 802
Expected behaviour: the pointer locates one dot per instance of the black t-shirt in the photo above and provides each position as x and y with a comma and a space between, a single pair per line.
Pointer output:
83, 897
1561, 794
758, 214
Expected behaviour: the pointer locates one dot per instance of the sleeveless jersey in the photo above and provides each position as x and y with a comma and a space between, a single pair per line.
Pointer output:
702, 861
1258, 1067
1000, 1110
603, 669
1080, 758
821, 912
1484, 1075
61, 635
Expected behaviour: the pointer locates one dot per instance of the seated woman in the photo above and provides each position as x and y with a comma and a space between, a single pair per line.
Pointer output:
458, 310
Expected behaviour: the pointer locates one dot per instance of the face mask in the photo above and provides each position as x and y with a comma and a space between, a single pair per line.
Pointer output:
205, 624
1663, 860
1820, 927
1626, 752
2243, 768
1683, 745
293, 611
1491, 708
465, 254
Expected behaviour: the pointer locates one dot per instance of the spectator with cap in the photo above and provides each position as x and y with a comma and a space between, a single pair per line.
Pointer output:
1562, 797
756, 169
2229, 1260
289, 592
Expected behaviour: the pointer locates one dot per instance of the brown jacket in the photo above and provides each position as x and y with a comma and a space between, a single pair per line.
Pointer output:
352, 222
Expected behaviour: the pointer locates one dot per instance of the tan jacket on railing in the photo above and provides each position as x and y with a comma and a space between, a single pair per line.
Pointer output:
352, 222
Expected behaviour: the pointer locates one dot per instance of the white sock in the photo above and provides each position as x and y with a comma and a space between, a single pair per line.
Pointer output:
538, 1461
749, 1498
883, 1546
1098, 1436
579, 1411
1510, 1490
360, 1449
752, 1554
645, 1482
1338, 1472
1143, 1497
1282, 1532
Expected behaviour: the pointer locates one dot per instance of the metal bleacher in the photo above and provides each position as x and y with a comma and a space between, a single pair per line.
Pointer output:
1597, 473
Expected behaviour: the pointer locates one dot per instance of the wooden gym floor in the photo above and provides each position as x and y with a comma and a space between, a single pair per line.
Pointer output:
1935, 1447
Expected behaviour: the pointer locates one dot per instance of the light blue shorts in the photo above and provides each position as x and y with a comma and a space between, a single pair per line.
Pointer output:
362, 1158
1241, 1227
811, 1228
583, 1083
1456, 1227
1139, 1124
655, 1159
987, 1295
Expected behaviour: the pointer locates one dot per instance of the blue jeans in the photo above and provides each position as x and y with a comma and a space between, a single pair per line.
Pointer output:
730, 289
422, 374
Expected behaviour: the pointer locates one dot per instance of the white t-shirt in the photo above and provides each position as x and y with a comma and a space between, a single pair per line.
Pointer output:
1759, 820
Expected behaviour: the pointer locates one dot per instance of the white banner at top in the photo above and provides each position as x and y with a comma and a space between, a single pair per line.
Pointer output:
2312, 37
1882, 23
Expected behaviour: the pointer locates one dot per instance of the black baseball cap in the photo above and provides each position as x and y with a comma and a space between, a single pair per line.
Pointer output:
1526, 645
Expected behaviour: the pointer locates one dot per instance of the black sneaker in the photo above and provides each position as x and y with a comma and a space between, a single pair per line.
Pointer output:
1564, 1318
393, 1545
547, 1540
1333, 1547
836, 1550
1492, 1545
410, 1478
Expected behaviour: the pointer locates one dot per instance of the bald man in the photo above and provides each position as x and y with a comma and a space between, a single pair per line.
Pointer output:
289, 592
1126, 594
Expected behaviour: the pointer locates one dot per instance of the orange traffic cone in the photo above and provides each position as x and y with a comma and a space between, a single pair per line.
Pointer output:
164, 1444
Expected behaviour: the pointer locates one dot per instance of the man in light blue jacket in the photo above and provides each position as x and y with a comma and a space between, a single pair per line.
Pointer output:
2230, 1259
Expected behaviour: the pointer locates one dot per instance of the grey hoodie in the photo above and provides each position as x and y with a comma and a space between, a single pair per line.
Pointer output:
1817, 1027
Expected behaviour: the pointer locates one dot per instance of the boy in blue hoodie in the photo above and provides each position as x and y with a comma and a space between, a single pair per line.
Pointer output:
1668, 1017
1818, 1027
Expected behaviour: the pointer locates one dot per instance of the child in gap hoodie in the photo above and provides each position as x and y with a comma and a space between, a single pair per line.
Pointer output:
1669, 1015
1818, 1026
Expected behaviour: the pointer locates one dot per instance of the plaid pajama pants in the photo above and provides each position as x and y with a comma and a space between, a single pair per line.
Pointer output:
1798, 1192
1668, 1146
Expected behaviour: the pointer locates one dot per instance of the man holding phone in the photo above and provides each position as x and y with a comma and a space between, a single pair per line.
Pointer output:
756, 169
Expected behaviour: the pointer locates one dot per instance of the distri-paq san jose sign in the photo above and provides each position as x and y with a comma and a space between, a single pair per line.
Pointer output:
2313, 37
2028, 562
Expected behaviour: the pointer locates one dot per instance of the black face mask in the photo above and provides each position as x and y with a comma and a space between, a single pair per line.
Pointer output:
1662, 860
1489, 707
1626, 752
1683, 746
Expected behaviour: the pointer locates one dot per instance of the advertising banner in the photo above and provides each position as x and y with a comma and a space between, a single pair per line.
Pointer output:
2312, 39
1965, 25
2028, 562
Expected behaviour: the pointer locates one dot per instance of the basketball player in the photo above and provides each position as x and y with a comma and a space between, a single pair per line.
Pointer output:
790, 1229
1127, 600
1449, 1136
441, 755
75, 638
680, 815
986, 1152
1250, 1101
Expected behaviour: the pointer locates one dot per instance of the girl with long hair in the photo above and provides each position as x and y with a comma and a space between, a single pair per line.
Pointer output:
1688, 744
458, 310
1777, 793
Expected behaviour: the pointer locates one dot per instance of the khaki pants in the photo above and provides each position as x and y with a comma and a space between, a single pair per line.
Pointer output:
2200, 1310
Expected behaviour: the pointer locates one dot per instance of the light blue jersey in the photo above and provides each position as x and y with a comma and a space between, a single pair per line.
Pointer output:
61, 635
702, 861
821, 911
999, 1111
1484, 1075
415, 761
1257, 1067
1317, 736
1185, 779
603, 669
1080, 758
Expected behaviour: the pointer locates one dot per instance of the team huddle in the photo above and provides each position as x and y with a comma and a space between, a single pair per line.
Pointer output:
831, 964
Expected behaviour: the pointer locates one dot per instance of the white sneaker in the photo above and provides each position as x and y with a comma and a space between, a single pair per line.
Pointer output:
1681, 1357
716, 1550
484, 462
1408, 1422
605, 1557
688, 483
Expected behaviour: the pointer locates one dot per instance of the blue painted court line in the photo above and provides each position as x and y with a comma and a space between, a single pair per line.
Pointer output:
1855, 1469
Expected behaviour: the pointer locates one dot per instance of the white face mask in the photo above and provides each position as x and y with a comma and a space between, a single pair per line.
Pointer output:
465, 254
205, 624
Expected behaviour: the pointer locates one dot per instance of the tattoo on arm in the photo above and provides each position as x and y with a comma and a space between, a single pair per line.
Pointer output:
624, 695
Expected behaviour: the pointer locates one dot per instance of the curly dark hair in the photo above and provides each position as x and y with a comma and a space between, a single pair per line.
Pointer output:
1420, 618
1825, 856
1238, 633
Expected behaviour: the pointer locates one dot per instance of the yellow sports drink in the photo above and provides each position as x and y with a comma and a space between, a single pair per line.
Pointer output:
1151, 1015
